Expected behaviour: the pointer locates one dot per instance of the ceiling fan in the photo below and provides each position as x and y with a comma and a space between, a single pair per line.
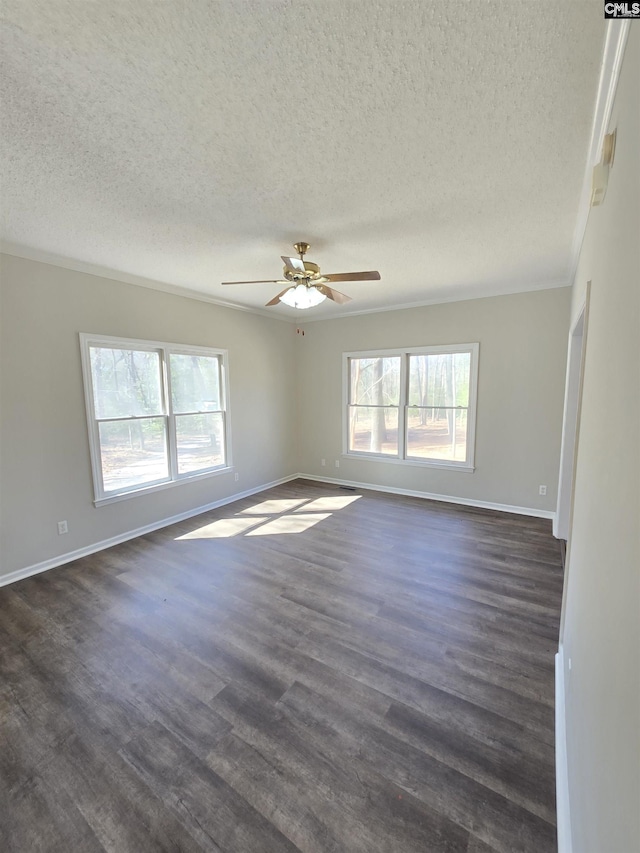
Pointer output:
306, 286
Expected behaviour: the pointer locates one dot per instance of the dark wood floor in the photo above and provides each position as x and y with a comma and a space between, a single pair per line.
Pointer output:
309, 670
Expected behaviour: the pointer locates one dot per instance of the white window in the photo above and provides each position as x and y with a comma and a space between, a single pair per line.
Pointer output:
415, 406
157, 413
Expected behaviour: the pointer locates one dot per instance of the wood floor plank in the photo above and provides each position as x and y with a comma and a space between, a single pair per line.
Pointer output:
312, 669
278, 793
367, 812
394, 672
78, 766
493, 764
212, 811
494, 818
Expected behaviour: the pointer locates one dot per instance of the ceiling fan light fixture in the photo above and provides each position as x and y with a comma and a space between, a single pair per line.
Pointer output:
303, 296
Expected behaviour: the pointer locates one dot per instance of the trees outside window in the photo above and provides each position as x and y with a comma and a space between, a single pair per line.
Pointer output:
374, 401
156, 413
416, 405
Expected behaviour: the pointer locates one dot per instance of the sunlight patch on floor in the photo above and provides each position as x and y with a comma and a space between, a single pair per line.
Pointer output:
224, 528
328, 504
272, 517
273, 507
289, 524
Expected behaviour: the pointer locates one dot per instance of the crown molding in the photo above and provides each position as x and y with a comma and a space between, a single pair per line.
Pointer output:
32, 254
487, 293
40, 256
613, 52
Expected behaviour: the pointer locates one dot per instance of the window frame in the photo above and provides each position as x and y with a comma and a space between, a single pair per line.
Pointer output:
401, 458
165, 350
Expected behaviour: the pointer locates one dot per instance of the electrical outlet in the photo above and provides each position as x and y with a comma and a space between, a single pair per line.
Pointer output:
337, 463
323, 462
236, 477
542, 490
63, 528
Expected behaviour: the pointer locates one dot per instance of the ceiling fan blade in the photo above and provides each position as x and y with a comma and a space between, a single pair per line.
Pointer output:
276, 299
294, 264
335, 295
270, 281
370, 275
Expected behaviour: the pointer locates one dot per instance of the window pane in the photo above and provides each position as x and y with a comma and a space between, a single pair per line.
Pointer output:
195, 383
133, 453
200, 441
441, 379
373, 430
125, 382
431, 434
375, 381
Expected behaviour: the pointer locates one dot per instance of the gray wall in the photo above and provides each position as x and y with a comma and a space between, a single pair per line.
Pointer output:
286, 400
523, 342
45, 472
601, 633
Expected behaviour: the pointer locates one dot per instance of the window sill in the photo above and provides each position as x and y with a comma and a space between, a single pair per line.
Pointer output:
414, 463
159, 487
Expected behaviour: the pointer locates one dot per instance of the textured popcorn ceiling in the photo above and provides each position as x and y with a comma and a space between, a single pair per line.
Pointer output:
193, 141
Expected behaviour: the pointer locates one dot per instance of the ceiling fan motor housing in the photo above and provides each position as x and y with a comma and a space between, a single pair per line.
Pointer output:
311, 271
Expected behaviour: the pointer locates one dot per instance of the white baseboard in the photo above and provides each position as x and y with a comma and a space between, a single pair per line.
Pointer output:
60, 560
518, 510
562, 771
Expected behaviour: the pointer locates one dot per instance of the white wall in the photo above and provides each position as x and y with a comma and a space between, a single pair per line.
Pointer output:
45, 472
523, 342
601, 635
